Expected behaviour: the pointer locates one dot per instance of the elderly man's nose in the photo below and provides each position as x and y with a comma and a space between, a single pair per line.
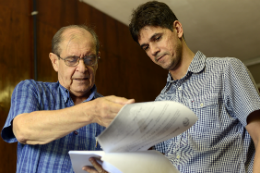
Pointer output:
81, 65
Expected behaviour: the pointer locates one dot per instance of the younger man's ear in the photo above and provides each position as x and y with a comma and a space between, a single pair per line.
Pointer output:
178, 26
54, 61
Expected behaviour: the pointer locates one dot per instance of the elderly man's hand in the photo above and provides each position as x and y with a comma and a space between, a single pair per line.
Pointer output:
96, 165
106, 108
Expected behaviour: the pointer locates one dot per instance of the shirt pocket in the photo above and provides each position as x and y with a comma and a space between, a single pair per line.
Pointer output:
206, 131
203, 101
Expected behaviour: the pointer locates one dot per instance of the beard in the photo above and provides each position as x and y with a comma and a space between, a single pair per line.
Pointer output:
173, 62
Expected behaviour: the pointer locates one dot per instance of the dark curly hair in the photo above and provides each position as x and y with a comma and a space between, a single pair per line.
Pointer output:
152, 13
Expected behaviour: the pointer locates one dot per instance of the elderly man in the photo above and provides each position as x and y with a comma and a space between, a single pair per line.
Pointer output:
220, 91
49, 119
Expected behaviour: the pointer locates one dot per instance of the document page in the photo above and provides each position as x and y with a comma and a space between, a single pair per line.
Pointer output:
139, 126
134, 162
135, 129
79, 159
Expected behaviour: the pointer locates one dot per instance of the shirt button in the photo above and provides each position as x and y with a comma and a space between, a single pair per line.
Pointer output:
178, 156
179, 88
201, 105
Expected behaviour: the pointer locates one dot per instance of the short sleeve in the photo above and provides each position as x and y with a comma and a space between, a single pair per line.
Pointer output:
24, 100
240, 92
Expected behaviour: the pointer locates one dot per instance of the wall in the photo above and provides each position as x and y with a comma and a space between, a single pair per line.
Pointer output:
124, 69
15, 64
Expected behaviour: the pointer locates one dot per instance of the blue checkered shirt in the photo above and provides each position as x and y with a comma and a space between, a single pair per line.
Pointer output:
221, 94
29, 96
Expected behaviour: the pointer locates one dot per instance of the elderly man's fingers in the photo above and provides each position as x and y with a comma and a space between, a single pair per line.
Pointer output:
120, 100
105, 109
96, 165
89, 169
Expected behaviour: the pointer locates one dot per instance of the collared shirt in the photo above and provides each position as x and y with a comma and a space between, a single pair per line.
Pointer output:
29, 96
221, 94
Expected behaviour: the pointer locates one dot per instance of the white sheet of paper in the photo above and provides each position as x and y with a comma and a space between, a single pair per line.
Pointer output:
79, 159
135, 129
139, 126
143, 161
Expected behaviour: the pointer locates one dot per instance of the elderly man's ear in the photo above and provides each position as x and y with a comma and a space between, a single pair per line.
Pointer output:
98, 55
54, 61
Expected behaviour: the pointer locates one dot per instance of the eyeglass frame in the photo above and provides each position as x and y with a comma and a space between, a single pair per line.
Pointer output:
78, 58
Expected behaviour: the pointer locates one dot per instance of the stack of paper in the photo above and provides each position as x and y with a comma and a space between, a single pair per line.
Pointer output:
135, 129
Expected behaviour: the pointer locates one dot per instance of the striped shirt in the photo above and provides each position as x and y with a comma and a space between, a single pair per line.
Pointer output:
222, 94
29, 96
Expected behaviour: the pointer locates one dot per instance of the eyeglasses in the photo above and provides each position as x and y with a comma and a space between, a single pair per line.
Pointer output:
73, 61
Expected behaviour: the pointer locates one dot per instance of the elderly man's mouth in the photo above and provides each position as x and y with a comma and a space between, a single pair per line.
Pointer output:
80, 79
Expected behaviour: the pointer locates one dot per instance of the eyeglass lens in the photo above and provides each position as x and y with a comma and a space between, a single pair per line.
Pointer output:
88, 60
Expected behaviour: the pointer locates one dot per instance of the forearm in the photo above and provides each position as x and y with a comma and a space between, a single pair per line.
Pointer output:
253, 128
41, 127
257, 159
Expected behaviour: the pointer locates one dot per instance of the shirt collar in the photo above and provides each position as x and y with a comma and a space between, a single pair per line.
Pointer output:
66, 94
197, 65
92, 95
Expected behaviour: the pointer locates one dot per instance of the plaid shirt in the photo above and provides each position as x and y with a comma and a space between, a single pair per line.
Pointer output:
221, 93
29, 96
